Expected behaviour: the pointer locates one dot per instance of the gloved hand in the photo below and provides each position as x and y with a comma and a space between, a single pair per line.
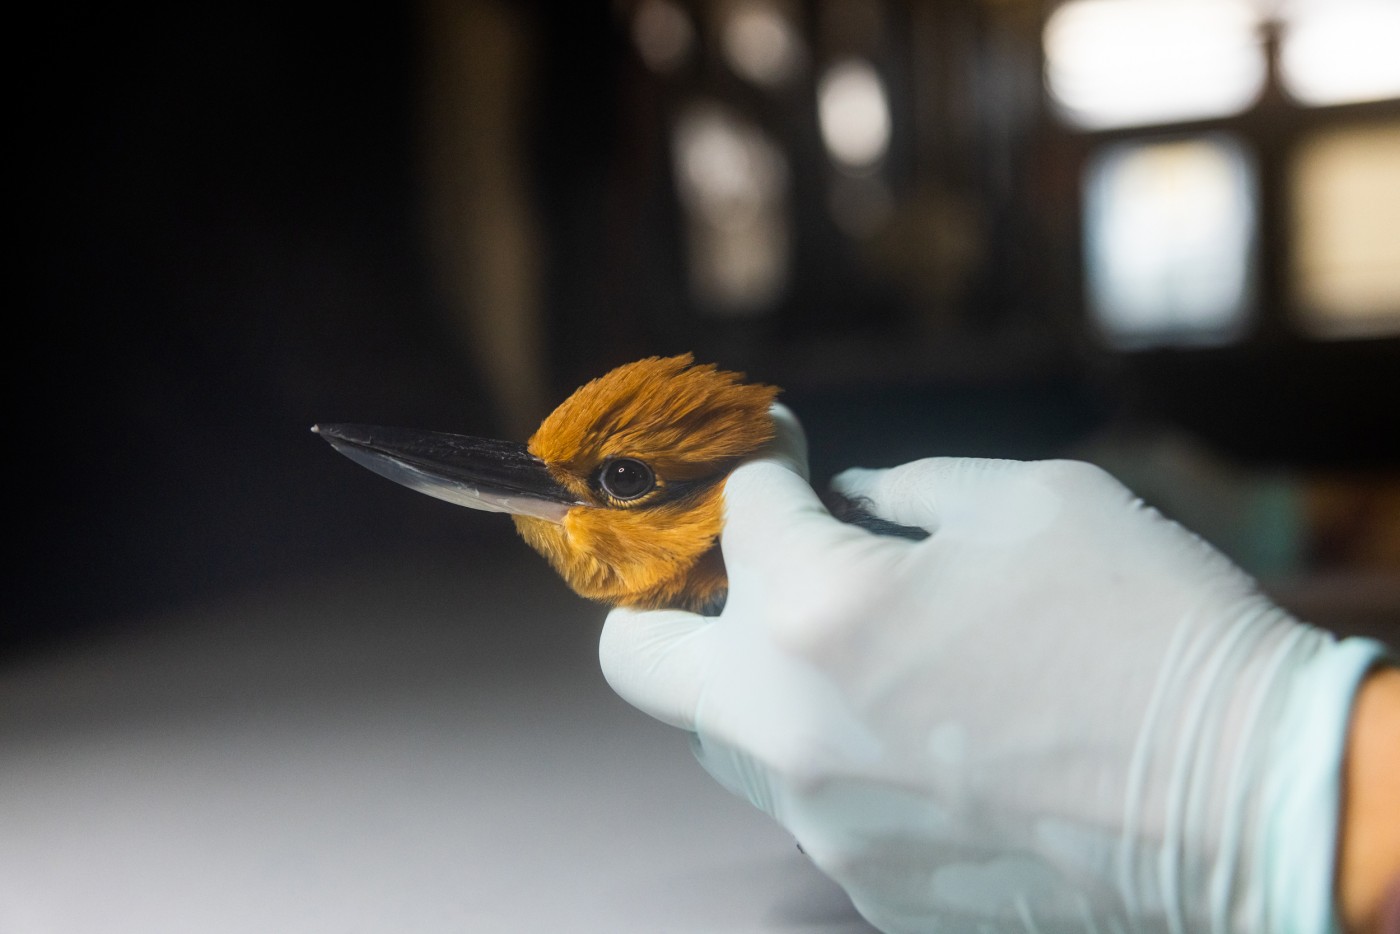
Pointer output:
1060, 712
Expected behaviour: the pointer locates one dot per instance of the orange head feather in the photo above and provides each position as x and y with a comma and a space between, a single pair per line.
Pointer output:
645, 449
622, 486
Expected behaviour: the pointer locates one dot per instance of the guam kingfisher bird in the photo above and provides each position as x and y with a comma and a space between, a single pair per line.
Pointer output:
620, 488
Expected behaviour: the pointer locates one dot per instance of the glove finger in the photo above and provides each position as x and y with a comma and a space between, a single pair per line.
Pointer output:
657, 660
789, 444
771, 516
923, 492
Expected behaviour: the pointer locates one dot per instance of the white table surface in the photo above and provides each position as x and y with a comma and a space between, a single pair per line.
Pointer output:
419, 746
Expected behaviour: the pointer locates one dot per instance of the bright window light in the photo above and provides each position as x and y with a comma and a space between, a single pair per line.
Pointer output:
1169, 241
1132, 62
761, 43
1341, 51
1346, 231
854, 114
732, 180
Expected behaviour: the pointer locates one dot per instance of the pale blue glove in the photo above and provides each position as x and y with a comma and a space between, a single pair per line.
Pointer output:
1060, 712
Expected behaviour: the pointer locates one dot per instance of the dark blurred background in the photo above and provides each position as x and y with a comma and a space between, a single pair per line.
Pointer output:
975, 227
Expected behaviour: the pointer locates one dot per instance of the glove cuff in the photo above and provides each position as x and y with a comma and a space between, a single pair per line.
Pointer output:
1252, 785
1302, 803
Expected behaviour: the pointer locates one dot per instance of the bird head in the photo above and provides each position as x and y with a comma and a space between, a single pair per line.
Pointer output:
620, 488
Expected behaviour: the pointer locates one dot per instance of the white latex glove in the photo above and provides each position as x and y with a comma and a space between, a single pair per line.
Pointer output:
1060, 712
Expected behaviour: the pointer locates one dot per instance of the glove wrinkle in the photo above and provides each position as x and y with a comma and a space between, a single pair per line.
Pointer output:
1061, 712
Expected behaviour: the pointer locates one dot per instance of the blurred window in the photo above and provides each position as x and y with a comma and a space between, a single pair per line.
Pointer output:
1201, 118
1346, 231
761, 43
733, 179
1116, 63
854, 114
663, 34
1341, 51
1169, 236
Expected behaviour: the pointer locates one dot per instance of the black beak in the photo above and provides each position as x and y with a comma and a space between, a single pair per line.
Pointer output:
497, 476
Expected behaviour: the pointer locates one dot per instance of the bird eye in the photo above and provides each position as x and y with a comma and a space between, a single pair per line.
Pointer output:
624, 478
